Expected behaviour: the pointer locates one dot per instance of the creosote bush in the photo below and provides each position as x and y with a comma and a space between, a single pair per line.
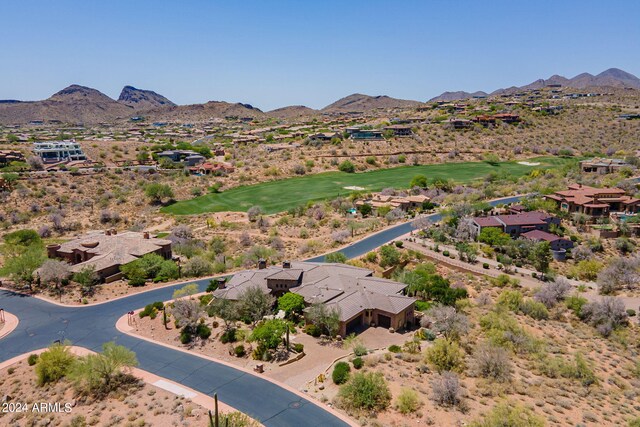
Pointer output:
340, 373
445, 355
509, 415
407, 401
365, 392
446, 390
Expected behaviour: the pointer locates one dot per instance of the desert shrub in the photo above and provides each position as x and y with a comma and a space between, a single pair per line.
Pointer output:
407, 401
503, 330
605, 315
237, 419
239, 350
485, 265
150, 309
621, 273
340, 373
269, 333
446, 389
100, 373
446, 320
312, 330
511, 300
359, 349
575, 304
32, 359
298, 347
228, 336
358, 362
54, 364
534, 309
347, 166
365, 391
509, 415
582, 371
445, 355
203, 331
490, 361
395, 348
553, 292
631, 312
185, 336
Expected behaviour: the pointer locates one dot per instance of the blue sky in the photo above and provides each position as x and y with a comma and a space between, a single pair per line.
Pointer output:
277, 53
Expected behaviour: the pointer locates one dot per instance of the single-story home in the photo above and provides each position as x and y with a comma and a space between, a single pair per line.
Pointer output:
360, 299
555, 242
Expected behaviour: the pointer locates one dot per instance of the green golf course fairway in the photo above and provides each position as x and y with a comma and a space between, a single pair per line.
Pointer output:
281, 195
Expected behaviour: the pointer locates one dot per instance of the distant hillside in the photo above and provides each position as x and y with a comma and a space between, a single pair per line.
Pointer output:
292, 112
203, 112
141, 99
361, 103
613, 77
453, 96
74, 104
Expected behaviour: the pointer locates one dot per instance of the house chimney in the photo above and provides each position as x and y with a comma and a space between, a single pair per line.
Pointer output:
145, 235
286, 264
222, 282
262, 264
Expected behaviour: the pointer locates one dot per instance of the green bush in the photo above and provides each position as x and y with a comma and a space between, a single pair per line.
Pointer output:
426, 334
239, 350
313, 330
445, 355
510, 299
228, 336
407, 401
54, 364
347, 167
151, 309
395, 348
340, 373
360, 350
485, 265
631, 312
185, 336
399, 244
203, 331
535, 309
445, 253
298, 347
358, 362
575, 304
365, 392
32, 359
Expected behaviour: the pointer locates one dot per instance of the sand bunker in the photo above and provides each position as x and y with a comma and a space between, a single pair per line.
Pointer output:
529, 163
353, 187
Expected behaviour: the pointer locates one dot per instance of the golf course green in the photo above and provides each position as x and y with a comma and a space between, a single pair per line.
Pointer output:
281, 195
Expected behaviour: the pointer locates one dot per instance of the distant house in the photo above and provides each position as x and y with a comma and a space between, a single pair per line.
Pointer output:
405, 203
188, 157
459, 123
484, 120
596, 202
58, 151
400, 130
507, 117
603, 166
8, 156
367, 135
516, 224
107, 251
212, 168
555, 242
360, 299
323, 136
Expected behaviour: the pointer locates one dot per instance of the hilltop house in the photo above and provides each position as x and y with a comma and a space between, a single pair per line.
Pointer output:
58, 151
188, 157
360, 298
215, 168
400, 130
107, 251
405, 203
367, 135
516, 224
8, 156
603, 166
597, 202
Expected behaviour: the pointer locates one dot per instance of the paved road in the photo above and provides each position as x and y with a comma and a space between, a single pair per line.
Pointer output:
41, 323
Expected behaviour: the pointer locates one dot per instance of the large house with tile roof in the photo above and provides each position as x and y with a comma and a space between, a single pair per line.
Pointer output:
516, 224
360, 299
106, 251
596, 202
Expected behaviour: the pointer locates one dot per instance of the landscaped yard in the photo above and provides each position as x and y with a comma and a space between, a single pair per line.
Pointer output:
281, 195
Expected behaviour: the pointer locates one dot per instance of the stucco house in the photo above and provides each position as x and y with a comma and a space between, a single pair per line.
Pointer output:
361, 299
106, 251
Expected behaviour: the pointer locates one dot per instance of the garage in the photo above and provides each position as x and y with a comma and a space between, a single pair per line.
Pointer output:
354, 325
384, 321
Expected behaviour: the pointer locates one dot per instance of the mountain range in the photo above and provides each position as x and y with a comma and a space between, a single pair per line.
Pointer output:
79, 104
613, 77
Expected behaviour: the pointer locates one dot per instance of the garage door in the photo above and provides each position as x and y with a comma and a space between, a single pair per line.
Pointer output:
384, 321
354, 325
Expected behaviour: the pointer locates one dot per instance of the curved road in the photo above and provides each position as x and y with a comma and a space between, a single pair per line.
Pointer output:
41, 323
